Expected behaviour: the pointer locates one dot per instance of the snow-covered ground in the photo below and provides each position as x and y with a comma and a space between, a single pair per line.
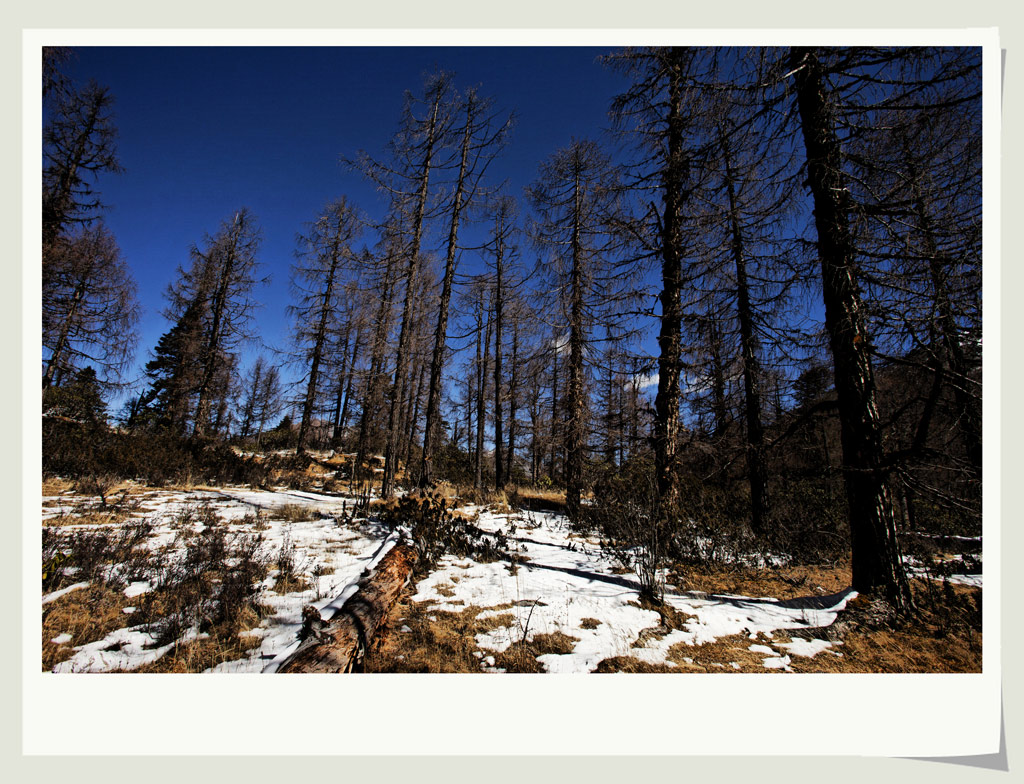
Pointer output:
340, 551
563, 582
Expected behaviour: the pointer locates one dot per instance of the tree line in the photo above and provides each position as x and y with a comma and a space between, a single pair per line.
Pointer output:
799, 228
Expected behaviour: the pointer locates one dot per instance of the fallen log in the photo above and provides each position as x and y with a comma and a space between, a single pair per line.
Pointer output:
338, 644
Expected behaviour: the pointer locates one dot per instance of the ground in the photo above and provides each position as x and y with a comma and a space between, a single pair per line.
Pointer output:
154, 580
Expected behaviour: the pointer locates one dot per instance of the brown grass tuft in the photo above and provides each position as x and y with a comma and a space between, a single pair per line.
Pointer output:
437, 642
291, 513
88, 614
201, 655
55, 485
783, 583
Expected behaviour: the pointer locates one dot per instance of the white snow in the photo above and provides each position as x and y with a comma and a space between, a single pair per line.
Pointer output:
565, 579
137, 589
562, 582
806, 648
341, 551
57, 594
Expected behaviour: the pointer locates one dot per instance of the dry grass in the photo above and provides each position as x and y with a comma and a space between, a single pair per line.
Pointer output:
784, 583
522, 655
88, 614
90, 516
201, 655
537, 499
294, 583
291, 513
55, 485
437, 641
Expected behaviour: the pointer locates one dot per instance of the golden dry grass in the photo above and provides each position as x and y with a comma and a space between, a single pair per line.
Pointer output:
291, 513
201, 655
295, 583
91, 516
437, 641
522, 656
783, 583
55, 485
88, 614
538, 499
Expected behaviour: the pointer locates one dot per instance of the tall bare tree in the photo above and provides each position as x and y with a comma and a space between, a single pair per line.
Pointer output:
325, 254
217, 288
480, 142
575, 198
89, 307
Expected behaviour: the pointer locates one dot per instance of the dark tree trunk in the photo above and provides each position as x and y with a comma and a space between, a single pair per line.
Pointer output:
666, 401
412, 270
575, 394
877, 561
499, 463
342, 419
481, 398
319, 341
431, 429
374, 381
553, 435
751, 366
512, 401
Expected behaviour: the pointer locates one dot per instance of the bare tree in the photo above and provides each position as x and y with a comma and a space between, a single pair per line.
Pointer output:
575, 198
877, 561
79, 142
480, 143
415, 152
317, 278
89, 307
218, 288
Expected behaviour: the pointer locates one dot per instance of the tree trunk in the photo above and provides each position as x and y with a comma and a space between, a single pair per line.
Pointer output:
318, 348
512, 401
751, 366
666, 401
877, 561
339, 645
430, 431
481, 399
405, 332
499, 463
376, 371
575, 399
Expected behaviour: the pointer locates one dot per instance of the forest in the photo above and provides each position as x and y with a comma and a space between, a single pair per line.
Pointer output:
705, 395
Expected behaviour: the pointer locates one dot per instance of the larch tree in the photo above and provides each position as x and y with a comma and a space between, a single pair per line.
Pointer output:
575, 199
79, 143
657, 112
480, 139
89, 308
415, 152
325, 254
877, 560
212, 305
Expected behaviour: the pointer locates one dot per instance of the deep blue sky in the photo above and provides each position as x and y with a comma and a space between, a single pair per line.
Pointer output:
204, 131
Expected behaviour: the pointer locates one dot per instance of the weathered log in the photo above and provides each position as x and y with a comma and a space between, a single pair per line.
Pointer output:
338, 644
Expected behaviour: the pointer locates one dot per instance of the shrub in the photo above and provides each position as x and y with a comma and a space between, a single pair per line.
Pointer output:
435, 531
629, 513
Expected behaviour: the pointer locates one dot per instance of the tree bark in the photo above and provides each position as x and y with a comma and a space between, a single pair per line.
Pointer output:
666, 401
756, 472
430, 432
877, 561
339, 645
